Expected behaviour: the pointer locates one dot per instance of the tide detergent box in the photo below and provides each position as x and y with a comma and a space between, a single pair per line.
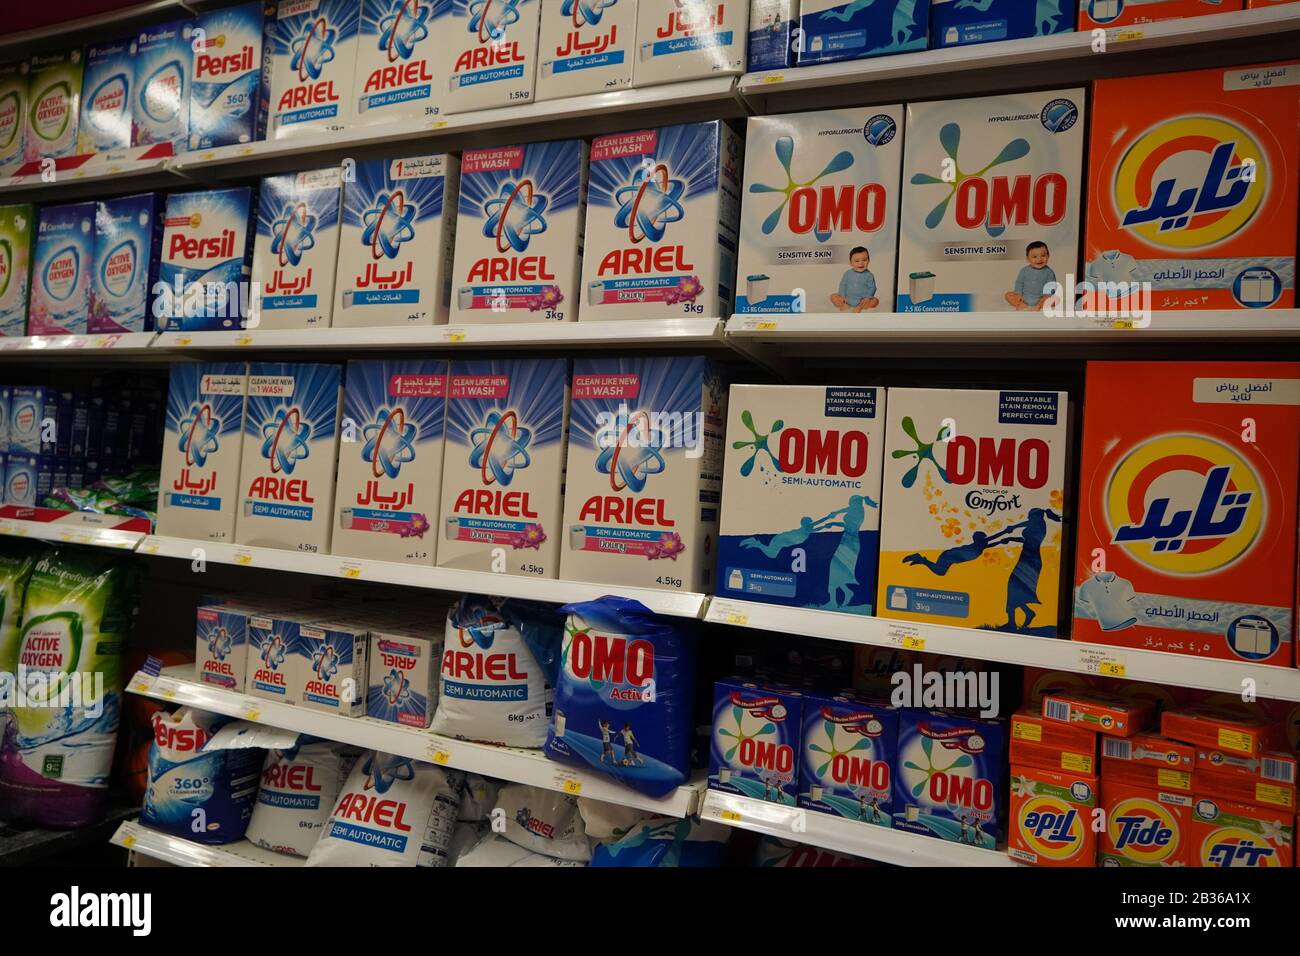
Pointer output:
53, 105
840, 30
1148, 761
107, 84
164, 60
221, 645
390, 462
503, 468
13, 115
128, 241
61, 267
1051, 817
1221, 730
1225, 833
1186, 536
689, 39
1051, 745
291, 442
1192, 190
644, 478
961, 22
756, 741
226, 82
990, 212
801, 510
296, 250
401, 72
663, 207
313, 65
973, 500
395, 248
585, 46
403, 676
771, 36
1103, 713
493, 51
204, 264
846, 758
1145, 826
1122, 13
820, 212
332, 672
16, 229
203, 438
519, 233
1266, 780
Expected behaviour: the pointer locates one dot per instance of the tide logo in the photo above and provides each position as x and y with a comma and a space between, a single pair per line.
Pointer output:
199, 435
388, 223
404, 27
313, 49
390, 443
1143, 830
514, 216
1237, 847
1051, 828
284, 440
500, 447
649, 202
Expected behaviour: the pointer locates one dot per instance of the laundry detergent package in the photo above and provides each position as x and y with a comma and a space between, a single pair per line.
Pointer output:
492, 47
13, 115
333, 675
1228, 834
164, 60
128, 240
503, 468
771, 34
16, 231
840, 30
543, 821
519, 233
21, 479
623, 704
225, 86
61, 267
298, 787
296, 249
1192, 191
1186, 533
221, 645
1221, 729
395, 248
390, 473
962, 22
404, 663
643, 482
1051, 814
1104, 713
107, 85
1148, 761
663, 207
846, 755
312, 67
973, 501
402, 74
689, 39
205, 261
820, 212
1267, 780
1051, 745
801, 503
1006, 228
53, 105
585, 46
1123, 13
275, 661
1145, 826
755, 743
666, 841
772, 851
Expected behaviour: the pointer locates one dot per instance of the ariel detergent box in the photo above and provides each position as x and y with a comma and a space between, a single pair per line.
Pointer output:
16, 230
771, 36
296, 250
503, 470
801, 508
13, 115
950, 777
689, 39
53, 105
127, 244
61, 268
821, 212
401, 72
840, 30
1193, 189
108, 82
312, 66
585, 46
663, 207
961, 22
519, 233
226, 82
204, 264
164, 59
492, 46
395, 248
756, 741
332, 675
1186, 536
1123, 13
846, 755
644, 479
973, 501
990, 215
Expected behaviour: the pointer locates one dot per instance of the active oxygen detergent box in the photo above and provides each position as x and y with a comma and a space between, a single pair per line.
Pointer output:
53, 105
771, 34
108, 82
1229, 834
689, 39
663, 207
61, 268
973, 502
839, 30
962, 22
296, 250
312, 66
503, 471
332, 675
16, 229
390, 469
204, 264
128, 239
847, 758
801, 504
1186, 533
990, 214
226, 83
585, 46
13, 115
644, 478
1123, 13
395, 248
291, 442
1051, 817
756, 746
492, 46
820, 212
1145, 826
1193, 188
164, 58
401, 72
519, 233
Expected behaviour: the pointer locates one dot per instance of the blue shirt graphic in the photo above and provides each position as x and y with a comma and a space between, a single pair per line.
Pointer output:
1031, 282
856, 286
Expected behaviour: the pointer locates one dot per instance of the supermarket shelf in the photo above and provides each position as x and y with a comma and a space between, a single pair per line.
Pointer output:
100, 175
74, 532
181, 852
120, 21
845, 836
120, 343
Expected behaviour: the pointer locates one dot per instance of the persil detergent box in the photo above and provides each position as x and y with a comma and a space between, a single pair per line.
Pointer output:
847, 758
503, 470
519, 233
61, 268
585, 46
962, 22
643, 483
1186, 532
756, 741
663, 207
204, 264
689, 39
493, 51
313, 65
771, 34
1145, 826
332, 674
1051, 817
395, 248
106, 105
1123, 13
13, 115
127, 243
820, 212
226, 83
973, 501
402, 73
296, 250
1229, 834
53, 105
164, 58
801, 498
291, 442
1193, 189
390, 463
840, 30
16, 230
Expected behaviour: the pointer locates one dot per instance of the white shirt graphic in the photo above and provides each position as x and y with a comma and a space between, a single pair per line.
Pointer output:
1110, 598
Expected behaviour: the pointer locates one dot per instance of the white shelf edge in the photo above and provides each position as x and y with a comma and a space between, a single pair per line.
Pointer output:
132, 835
117, 342
72, 532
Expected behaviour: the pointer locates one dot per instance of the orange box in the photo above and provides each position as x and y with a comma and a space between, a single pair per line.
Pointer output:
1219, 729
1051, 817
1123, 13
1268, 780
1226, 834
1103, 713
1051, 745
1144, 826
1149, 761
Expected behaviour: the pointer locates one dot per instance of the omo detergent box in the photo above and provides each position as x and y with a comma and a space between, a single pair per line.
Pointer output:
503, 471
820, 212
127, 243
291, 442
332, 673
296, 250
1145, 826
401, 72
226, 83
13, 115
663, 207
16, 229
164, 58
1051, 817
390, 463
972, 508
396, 244
204, 264
492, 46
585, 46
771, 34
756, 741
1193, 188
950, 778
689, 39
53, 105
314, 59
1186, 533
962, 22
519, 233
108, 82
847, 758
1228, 834
62, 263
1122, 13
839, 30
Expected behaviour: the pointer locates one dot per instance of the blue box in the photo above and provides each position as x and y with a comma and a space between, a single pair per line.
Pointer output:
226, 82
4, 475
861, 28
754, 749
20, 479
205, 260
6, 395
26, 409
846, 763
163, 60
963, 22
128, 239
106, 87
771, 34
61, 268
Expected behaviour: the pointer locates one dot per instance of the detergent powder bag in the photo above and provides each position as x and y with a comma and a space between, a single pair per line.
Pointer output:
299, 786
16, 561
13, 115
496, 851
544, 821
665, 841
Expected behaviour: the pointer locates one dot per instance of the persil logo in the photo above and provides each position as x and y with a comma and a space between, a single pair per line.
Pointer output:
1144, 830
198, 435
1051, 828
219, 247
1235, 846
388, 223
210, 66
183, 739
621, 666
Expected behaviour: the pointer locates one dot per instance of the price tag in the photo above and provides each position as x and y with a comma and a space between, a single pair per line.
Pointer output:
453, 335
1103, 663
762, 325
437, 124
106, 341
244, 340
184, 340
251, 712
168, 693
1122, 36
737, 618
774, 78
209, 155
243, 557
149, 547
906, 636
732, 815
438, 756
129, 841
350, 569
247, 151
140, 686
569, 785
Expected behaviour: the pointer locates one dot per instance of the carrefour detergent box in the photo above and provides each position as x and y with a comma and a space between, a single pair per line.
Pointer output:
291, 440
1186, 535
1122, 13
106, 105
820, 212
128, 239
53, 105
16, 230
396, 244
585, 46
204, 264
313, 65
221, 645
990, 214
840, 30
755, 744
390, 460
61, 268
26, 409
689, 39
226, 82
164, 59
644, 479
13, 115
1051, 817
1224, 833
519, 233
296, 249
332, 674
771, 34
1145, 826
846, 755
20, 479
493, 51
972, 508
663, 206
503, 472
402, 73
962, 22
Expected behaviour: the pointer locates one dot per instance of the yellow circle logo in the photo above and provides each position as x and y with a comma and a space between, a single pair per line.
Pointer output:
1237, 847
1051, 828
1143, 830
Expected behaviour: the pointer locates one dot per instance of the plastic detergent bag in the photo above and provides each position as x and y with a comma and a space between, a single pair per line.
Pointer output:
392, 811
464, 838
16, 561
773, 851
58, 748
609, 821
498, 672
624, 698
300, 783
543, 821
496, 851
665, 841
477, 798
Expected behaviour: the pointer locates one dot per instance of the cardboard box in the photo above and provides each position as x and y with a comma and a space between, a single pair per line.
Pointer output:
953, 23
205, 261
296, 250
402, 67
1103, 713
107, 98
585, 48
128, 241
846, 757
53, 105
689, 41
1117, 13
849, 29
1052, 745
1051, 817
1149, 761
315, 57
1228, 834
163, 55
1144, 826
756, 741
226, 82
1217, 729
493, 52
13, 116
62, 263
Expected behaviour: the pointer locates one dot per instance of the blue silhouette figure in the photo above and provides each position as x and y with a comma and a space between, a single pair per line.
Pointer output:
1022, 587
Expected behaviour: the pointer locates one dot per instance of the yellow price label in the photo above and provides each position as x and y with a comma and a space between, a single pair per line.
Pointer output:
732, 815
737, 618
1024, 730
775, 78
440, 757
244, 340
185, 340
169, 693
912, 642
1174, 779
243, 557
767, 326
252, 713
454, 335
437, 124
209, 155
352, 571
129, 842
149, 548
1123, 35
19, 530
1111, 668
247, 151
140, 687
571, 786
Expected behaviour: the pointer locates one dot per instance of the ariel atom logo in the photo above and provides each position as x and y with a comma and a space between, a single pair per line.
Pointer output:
312, 49
390, 443
585, 12
402, 29
389, 223
293, 234
482, 633
633, 456
284, 440
489, 18
500, 448
199, 435
219, 643
273, 652
383, 771
649, 203
515, 216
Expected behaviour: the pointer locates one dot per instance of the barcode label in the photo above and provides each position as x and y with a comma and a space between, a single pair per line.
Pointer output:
1116, 749
1058, 710
1282, 770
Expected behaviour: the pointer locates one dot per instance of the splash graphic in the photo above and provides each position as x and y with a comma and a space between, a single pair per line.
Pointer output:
389, 223
390, 443
784, 147
402, 29
313, 49
950, 140
514, 216
649, 203
759, 445
284, 440
199, 435
924, 451
293, 234
500, 448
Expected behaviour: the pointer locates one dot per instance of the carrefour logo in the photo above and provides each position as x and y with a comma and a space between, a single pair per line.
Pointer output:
390, 442
199, 435
388, 223
402, 29
1051, 828
500, 447
313, 49
1144, 830
514, 216
293, 234
284, 440
631, 452
649, 202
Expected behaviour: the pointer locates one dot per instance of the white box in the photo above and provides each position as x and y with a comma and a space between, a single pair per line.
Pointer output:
315, 56
689, 39
274, 664
402, 70
493, 52
585, 46
221, 645
296, 250
405, 663
332, 674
